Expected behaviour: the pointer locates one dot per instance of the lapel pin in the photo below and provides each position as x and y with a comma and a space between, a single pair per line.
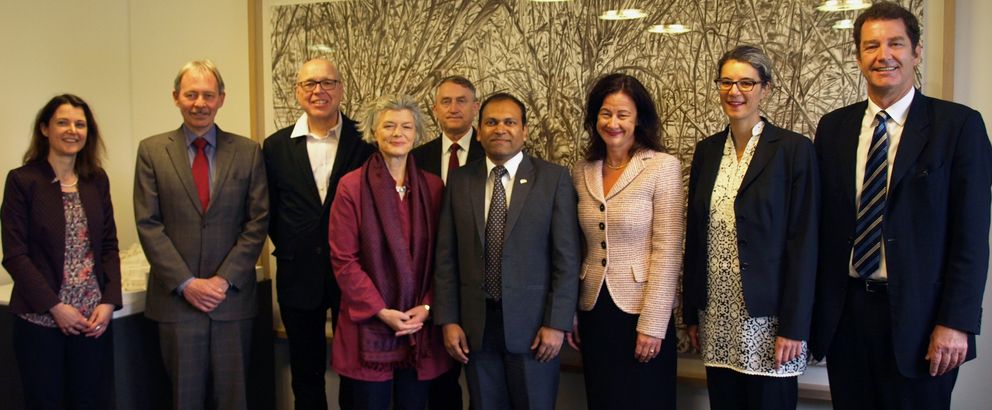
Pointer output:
523, 181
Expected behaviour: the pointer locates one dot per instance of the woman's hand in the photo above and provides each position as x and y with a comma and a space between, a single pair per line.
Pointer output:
693, 331
418, 314
647, 347
70, 321
573, 337
786, 349
100, 320
398, 321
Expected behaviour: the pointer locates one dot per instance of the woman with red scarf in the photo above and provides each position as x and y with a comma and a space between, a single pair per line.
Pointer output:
383, 224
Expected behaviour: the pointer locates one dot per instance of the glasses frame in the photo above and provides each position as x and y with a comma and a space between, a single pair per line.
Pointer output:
741, 84
326, 85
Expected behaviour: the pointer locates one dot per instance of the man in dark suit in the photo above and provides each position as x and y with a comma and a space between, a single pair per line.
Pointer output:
304, 163
506, 277
455, 107
202, 209
904, 256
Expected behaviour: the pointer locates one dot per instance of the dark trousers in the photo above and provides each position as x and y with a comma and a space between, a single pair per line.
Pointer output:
307, 355
60, 371
405, 392
207, 361
732, 390
862, 367
614, 378
498, 379
446, 393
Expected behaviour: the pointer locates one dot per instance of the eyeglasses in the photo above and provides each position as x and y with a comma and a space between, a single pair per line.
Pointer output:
327, 85
744, 85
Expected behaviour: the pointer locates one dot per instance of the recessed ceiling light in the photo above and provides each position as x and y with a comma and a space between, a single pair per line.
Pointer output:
320, 48
843, 5
669, 28
623, 14
844, 24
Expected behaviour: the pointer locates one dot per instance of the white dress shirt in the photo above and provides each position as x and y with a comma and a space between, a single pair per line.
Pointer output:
898, 112
463, 144
321, 149
511, 166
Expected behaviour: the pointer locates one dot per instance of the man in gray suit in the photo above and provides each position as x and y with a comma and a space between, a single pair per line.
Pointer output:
506, 275
202, 208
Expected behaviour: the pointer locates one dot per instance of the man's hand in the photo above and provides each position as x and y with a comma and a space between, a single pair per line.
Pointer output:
786, 350
547, 343
455, 342
947, 350
205, 294
693, 331
398, 321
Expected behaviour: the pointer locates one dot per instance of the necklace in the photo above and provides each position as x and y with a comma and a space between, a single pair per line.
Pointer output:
69, 185
401, 189
615, 167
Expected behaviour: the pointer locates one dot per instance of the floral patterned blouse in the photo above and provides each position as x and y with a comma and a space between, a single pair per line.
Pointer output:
730, 338
79, 286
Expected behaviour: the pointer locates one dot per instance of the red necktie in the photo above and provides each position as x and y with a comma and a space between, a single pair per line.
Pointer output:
201, 172
453, 157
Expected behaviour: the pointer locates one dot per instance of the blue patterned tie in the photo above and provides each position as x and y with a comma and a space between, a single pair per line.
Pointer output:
868, 233
495, 224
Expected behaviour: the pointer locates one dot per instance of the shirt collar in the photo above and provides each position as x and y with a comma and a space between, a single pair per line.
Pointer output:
462, 142
511, 165
898, 111
302, 127
210, 136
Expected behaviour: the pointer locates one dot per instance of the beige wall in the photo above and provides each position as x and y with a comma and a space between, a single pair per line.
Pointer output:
120, 56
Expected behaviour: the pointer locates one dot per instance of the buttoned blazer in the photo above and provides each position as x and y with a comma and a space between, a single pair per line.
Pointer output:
34, 236
935, 226
540, 253
298, 222
428, 155
182, 241
633, 236
777, 212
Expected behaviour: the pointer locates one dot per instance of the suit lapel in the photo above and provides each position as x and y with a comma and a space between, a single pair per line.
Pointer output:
301, 160
712, 155
592, 173
348, 141
224, 157
913, 139
634, 168
763, 153
848, 135
521, 188
184, 171
477, 194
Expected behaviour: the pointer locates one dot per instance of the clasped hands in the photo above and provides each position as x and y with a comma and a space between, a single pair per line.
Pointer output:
404, 323
206, 294
71, 322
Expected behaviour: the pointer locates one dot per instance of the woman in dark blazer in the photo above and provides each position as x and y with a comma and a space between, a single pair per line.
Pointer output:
750, 253
60, 247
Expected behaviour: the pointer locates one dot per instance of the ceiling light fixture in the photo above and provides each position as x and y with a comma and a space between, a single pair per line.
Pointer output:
843, 5
623, 14
844, 24
674, 28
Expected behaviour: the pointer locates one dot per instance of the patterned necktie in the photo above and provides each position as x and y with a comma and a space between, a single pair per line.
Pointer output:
868, 233
494, 236
453, 157
201, 172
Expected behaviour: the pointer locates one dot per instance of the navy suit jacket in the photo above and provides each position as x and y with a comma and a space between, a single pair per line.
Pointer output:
298, 218
540, 253
935, 226
428, 156
777, 210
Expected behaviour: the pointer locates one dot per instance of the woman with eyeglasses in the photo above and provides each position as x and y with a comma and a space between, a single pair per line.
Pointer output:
60, 247
751, 241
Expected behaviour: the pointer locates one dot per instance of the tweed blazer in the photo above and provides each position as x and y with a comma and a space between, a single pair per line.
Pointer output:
633, 236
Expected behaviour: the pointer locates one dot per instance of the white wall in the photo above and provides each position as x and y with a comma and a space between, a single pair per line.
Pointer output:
972, 87
120, 56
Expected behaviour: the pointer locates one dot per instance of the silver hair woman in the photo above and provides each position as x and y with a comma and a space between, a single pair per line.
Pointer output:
384, 222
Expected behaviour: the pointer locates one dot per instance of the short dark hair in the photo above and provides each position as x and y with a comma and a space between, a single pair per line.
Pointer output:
647, 133
504, 97
887, 10
88, 161
462, 81
751, 55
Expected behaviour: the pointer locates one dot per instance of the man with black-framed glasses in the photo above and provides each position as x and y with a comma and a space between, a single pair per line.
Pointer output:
304, 163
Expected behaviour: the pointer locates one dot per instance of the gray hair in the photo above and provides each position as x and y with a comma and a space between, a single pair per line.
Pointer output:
390, 102
751, 55
203, 66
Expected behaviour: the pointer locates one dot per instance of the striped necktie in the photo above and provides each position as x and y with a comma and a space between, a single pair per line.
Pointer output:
868, 233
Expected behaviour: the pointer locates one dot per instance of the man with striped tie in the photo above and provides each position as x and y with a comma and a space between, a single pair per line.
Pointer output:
904, 256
